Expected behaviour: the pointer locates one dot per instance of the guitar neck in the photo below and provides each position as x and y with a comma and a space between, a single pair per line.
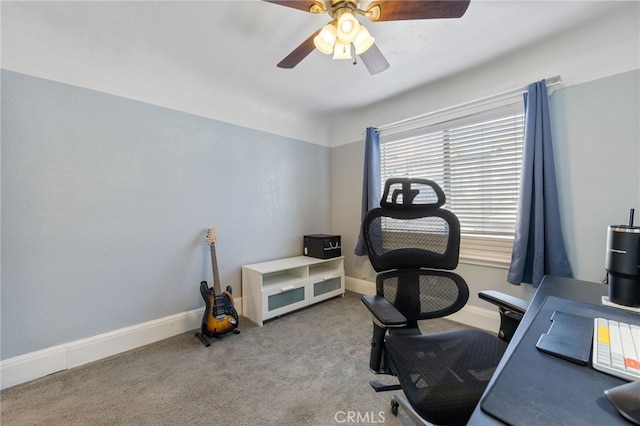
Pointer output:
214, 267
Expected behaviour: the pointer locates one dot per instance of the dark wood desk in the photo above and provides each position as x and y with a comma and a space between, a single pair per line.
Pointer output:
574, 290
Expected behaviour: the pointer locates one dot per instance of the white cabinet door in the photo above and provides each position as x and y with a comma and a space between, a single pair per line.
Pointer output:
278, 300
326, 286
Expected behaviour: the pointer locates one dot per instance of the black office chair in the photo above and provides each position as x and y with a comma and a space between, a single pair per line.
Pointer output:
413, 243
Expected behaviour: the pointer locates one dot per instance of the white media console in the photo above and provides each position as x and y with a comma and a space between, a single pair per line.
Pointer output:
273, 288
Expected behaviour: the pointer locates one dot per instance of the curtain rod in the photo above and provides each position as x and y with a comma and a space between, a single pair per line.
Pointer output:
551, 81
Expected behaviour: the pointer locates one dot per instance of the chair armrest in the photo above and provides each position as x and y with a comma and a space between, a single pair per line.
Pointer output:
384, 313
502, 300
511, 311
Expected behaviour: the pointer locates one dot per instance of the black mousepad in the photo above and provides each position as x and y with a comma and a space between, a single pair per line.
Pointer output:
538, 388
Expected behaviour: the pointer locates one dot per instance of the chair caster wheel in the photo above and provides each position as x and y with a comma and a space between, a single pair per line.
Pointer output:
394, 407
236, 331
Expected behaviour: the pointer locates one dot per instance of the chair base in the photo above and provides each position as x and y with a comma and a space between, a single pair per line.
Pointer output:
379, 387
400, 401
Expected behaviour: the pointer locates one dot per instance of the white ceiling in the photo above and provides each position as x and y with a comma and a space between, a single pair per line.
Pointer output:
240, 42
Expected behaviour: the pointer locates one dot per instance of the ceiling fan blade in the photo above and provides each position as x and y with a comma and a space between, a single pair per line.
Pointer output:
299, 53
399, 10
374, 60
298, 4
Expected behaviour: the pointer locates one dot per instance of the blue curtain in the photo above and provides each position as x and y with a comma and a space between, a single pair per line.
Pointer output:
538, 247
370, 181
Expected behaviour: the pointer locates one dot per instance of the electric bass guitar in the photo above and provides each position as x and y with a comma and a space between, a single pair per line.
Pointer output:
220, 316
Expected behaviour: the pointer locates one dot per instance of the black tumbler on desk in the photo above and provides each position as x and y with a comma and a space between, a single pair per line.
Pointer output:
623, 263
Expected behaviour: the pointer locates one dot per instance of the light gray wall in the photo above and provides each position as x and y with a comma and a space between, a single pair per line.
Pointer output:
105, 203
597, 147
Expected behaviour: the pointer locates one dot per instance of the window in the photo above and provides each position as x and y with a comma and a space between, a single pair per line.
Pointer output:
474, 153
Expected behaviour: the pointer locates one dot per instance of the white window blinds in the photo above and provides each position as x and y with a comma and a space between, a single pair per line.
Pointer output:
475, 155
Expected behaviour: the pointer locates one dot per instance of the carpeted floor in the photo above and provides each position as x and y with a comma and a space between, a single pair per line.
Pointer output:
306, 368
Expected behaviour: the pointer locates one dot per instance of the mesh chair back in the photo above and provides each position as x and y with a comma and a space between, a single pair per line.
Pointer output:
411, 229
423, 294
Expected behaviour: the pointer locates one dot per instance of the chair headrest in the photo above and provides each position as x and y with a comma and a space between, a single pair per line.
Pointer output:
412, 194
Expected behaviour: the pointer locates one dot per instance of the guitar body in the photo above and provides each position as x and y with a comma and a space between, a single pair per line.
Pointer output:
220, 316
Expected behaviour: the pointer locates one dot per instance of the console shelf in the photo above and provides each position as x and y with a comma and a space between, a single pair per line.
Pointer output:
274, 288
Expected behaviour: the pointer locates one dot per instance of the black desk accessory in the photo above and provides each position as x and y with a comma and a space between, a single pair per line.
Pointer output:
537, 388
569, 337
622, 263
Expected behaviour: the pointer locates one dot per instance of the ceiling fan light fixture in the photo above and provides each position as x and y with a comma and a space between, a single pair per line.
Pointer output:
363, 40
348, 27
326, 39
342, 50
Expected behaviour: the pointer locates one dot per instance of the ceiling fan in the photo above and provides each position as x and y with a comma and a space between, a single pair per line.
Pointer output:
345, 37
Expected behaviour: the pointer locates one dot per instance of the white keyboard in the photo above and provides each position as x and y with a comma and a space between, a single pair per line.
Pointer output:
616, 348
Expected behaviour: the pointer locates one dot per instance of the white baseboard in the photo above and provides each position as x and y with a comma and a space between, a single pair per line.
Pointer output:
473, 316
486, 319
359, 286
23, 368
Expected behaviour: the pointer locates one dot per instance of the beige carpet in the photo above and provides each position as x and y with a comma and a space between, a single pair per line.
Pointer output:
306, 368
